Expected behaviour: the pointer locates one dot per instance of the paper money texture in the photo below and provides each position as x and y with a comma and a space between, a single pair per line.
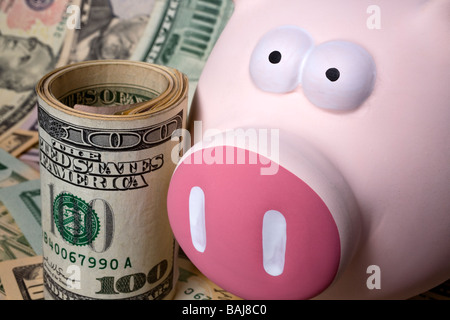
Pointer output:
104, 179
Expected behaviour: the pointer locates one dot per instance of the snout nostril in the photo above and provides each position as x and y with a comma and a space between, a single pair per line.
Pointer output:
274, 242
197, 218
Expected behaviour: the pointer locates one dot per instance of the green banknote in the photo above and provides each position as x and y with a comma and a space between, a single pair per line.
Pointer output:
175, 33
23, 201
13, 243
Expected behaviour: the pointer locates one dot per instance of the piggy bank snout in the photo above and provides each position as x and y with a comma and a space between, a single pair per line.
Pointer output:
263, 234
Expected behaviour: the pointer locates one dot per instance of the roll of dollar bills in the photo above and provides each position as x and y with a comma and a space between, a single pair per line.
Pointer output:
105, 161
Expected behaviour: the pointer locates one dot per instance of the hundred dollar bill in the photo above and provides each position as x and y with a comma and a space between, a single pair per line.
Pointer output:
23, 280
104, 178
32, 34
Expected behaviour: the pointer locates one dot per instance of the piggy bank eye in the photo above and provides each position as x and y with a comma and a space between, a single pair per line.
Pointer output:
276, 61
338, 75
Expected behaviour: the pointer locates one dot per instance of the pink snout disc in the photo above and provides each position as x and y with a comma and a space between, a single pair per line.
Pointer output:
258, 236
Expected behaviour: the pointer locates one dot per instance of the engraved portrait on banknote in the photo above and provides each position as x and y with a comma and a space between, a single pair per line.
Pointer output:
32, 35
23, 61
110, 29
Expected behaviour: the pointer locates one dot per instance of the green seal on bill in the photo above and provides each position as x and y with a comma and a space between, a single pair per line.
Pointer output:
75, 219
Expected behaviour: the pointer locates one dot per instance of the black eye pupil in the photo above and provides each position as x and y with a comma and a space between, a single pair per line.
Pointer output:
333, 74
275, 57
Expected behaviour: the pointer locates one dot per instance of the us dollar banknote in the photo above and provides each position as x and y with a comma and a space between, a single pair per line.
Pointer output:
23, 202
193, 285
175, 33
181, 34
32, 37
13, 243
178, 34
104, 178
22, 279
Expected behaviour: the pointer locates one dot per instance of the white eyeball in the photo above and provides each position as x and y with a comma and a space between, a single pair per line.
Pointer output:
338, 75
276, 61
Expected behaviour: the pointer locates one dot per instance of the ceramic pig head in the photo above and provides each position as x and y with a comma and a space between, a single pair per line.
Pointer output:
324, 165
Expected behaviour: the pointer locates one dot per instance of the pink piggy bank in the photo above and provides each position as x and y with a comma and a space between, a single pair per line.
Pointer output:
321, 163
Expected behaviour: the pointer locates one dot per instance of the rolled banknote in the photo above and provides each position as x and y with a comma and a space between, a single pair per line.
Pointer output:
104, 178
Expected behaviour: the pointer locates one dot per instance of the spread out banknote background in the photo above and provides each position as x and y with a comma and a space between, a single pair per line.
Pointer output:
38, 36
